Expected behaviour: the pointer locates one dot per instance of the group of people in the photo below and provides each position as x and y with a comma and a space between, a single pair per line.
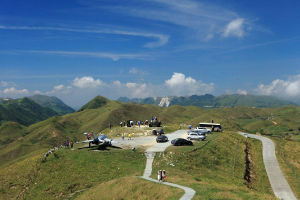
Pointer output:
130, 135
68, 143
161, 175
130, 123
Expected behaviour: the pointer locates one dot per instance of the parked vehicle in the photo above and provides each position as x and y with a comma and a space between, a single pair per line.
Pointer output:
158, 131
181, 142
196, 135
162, 138
203, 129
214, 127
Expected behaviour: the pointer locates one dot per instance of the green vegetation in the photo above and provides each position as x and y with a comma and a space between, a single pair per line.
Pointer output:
24, 111
131, 188
53, 103
204, 169
288, 155
97, 102
67, 172
215, 168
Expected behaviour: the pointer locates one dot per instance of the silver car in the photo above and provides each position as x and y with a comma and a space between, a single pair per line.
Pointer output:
196, 135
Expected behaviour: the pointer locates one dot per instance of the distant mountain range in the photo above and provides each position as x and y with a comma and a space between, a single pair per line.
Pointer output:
29, 110
53, 103
209, 101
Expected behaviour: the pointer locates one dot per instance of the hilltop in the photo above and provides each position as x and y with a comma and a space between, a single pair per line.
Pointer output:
53, 103
210, 101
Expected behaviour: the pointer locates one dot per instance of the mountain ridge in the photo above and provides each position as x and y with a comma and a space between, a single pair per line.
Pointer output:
53, 103
210, 101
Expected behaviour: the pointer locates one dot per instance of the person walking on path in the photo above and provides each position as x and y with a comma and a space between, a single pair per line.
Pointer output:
163, 175
159, 175
129, 136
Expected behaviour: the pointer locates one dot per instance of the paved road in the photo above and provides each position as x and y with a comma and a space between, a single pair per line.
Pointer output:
160, 147
278, 182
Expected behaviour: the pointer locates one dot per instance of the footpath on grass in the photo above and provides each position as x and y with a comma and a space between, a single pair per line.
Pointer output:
161, 147
278, 182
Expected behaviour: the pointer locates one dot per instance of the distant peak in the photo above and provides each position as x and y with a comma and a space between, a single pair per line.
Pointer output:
95, 103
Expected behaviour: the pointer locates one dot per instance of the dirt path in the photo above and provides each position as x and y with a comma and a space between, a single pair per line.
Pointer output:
278, 182
161, 147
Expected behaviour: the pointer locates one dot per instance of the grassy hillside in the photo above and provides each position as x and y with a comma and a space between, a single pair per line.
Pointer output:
53, 103
24, 111
19, 144
100, 112
131, 188
67, 172
216, 169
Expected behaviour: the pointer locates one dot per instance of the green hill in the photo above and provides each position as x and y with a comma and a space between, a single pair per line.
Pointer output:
24, 111
53, 103
100, 112
20, 144
97, 102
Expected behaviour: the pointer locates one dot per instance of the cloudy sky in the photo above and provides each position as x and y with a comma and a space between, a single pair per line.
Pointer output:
78, 49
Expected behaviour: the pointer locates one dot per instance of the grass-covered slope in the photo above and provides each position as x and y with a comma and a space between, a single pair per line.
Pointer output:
216, 168
100, 112
24, 111
53, 103
67, 172
20, 143
131, 188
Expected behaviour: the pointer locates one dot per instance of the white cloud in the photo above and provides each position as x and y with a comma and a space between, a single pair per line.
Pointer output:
14, 91
235, 28
117, 83
59, 87
161, 39
137, 90
282, 88
204, 19
87, 82
137, 71
83, 89
242, 92
133, 71
113, 56
181, 85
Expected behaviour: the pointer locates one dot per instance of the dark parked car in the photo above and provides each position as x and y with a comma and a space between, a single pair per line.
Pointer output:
158, 131
181, 142
162, 138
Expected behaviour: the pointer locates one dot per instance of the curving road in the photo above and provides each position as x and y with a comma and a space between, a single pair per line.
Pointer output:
161, 147
278, 182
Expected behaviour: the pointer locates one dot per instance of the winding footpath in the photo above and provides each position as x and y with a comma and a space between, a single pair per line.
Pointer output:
161, 147
278, 182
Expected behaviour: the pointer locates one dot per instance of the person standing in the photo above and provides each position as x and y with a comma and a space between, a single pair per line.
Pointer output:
159, 175
163, 175
71, 143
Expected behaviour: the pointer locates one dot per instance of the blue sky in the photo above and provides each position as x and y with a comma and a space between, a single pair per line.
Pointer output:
76, 49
